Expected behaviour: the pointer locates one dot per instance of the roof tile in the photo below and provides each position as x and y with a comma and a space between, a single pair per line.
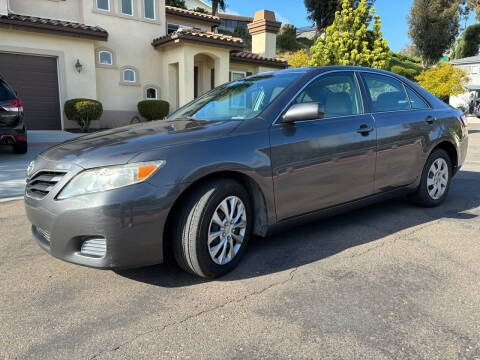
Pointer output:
252, 57
197, 35
52, 24
170, 10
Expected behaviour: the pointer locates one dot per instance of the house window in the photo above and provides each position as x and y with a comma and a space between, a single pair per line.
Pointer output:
103, 5
127, 7
129, 76
236, 75
105, 58
149, 9
152, 94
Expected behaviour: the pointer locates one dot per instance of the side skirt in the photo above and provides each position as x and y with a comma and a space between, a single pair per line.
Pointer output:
337, 209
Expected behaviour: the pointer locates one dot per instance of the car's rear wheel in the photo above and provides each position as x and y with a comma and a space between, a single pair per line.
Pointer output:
20, 147
435, 182
212, 228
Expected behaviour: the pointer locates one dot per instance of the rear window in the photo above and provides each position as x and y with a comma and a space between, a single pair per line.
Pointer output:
5, 92
387, 94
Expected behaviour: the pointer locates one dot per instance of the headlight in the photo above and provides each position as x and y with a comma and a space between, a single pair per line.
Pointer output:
108, 178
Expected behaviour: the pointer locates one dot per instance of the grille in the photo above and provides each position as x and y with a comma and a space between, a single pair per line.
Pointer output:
43, 233
94, 247
42, 183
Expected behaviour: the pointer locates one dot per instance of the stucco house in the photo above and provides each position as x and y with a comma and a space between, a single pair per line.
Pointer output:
471, 65
120, 52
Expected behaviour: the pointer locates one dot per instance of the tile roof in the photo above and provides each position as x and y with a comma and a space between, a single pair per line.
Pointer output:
235, 17
188, 34
66, 27
170, 10
247, 56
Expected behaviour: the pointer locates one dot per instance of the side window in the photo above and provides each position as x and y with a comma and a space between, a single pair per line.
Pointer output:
416, 101
103, 5
387, 94
337, 93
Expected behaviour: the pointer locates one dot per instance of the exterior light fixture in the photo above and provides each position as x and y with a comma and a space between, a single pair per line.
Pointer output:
78, 66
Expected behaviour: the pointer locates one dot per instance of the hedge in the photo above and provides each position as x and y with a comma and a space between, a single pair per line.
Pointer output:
83, 111
153, 109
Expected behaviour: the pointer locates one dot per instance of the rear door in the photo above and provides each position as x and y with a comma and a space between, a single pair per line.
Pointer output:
401, 130
329, 161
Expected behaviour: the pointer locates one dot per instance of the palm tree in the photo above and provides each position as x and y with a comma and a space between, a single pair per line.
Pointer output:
222, 4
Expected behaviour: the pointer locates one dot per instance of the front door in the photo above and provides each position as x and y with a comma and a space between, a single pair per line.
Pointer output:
329, 161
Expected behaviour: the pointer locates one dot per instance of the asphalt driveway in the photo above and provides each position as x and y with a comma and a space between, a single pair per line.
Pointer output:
390, 281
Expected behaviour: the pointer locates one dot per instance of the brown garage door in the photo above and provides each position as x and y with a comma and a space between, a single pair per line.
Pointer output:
35, 79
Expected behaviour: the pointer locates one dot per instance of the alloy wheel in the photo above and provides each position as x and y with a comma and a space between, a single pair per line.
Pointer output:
437, 179
227, 230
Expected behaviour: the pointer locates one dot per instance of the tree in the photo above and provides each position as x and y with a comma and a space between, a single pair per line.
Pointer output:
222, 4
469, 42
287, 38
298, 59
322, 12
350, 42
410, 51
470, 5
200, 10
443, 80
433, 27
176, 3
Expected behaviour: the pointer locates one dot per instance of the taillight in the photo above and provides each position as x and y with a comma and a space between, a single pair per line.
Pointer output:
463, 120
14, 105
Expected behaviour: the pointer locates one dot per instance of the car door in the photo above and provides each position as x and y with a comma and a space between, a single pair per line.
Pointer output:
328, 161
401, 131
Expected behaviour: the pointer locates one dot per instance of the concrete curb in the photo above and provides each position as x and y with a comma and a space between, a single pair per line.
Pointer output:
12, 198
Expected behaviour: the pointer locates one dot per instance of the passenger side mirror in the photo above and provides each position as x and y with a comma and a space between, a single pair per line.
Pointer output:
302, 112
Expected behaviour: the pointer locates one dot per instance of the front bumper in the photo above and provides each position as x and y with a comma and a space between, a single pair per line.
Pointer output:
130, 219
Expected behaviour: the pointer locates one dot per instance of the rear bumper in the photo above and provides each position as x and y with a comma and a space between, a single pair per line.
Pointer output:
130, 219
9, 136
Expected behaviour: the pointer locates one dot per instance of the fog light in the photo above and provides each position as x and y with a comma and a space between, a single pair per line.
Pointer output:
94, 247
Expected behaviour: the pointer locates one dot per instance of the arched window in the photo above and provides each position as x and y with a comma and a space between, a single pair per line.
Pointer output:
105, 57
151, 93
129, 75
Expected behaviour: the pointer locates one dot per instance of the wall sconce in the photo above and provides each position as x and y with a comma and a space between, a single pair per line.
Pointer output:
78, 66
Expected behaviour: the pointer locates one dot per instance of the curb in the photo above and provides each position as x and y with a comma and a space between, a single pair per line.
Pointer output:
13, 198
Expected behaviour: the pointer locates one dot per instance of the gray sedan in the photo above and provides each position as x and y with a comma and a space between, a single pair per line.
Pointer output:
246, 158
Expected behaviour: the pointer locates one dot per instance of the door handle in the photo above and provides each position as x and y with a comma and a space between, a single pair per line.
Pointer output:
365, 129
430, 119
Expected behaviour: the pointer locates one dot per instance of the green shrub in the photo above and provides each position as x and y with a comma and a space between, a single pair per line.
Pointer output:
83, 111
408, 73
153, 109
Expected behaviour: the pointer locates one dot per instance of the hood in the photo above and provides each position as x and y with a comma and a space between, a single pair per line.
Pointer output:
118, 146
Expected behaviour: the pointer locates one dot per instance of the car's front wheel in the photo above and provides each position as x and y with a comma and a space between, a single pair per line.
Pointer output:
435, 182
212, 228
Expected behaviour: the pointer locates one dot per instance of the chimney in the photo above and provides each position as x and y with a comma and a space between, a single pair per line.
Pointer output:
3, 7
264, 30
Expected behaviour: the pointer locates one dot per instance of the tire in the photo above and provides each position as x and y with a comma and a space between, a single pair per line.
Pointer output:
20, 147
422, 196
195, 222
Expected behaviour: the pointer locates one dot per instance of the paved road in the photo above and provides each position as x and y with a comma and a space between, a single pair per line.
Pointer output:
390, 281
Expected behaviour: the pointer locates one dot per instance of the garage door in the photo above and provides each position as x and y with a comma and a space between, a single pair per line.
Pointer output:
35, 79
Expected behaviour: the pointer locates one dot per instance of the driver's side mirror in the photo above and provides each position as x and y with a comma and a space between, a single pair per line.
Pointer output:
302, 112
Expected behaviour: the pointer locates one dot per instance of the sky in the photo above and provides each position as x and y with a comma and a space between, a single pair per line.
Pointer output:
392, 12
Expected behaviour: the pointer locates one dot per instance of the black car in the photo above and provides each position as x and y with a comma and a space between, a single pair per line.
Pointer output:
13, 131
245, 158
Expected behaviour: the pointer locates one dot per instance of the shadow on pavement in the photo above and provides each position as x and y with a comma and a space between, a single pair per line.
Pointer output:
321, 239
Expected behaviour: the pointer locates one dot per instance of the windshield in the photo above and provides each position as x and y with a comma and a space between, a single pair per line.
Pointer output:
240, 100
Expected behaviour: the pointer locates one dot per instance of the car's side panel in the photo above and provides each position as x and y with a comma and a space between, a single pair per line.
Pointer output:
246, 152
402, 136
321, 163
